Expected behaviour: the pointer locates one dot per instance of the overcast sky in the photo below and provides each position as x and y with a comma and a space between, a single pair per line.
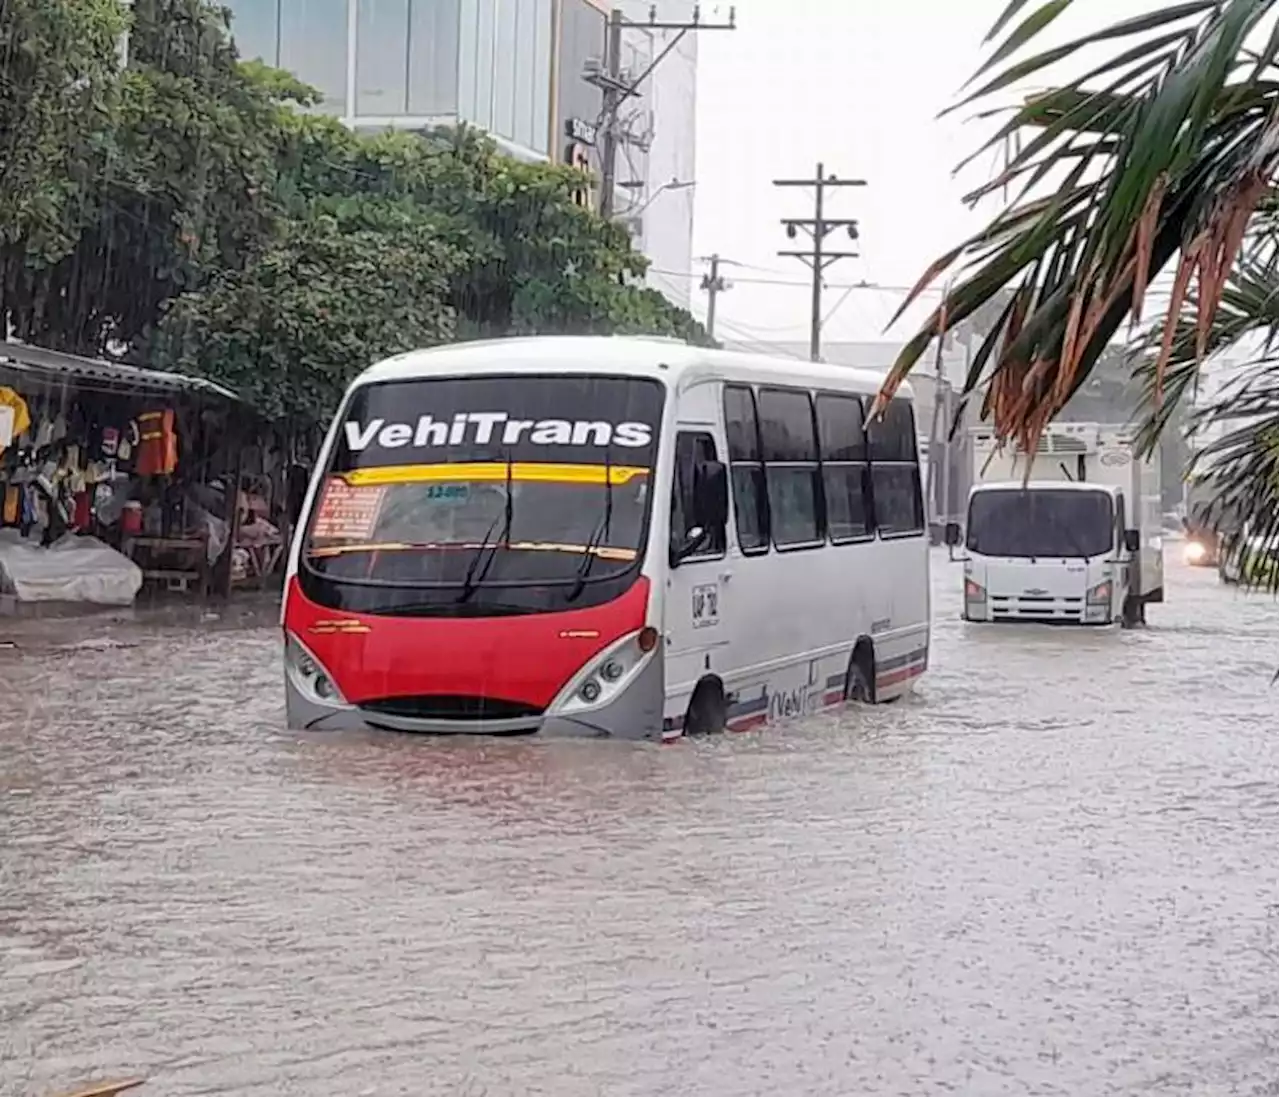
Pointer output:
856, 84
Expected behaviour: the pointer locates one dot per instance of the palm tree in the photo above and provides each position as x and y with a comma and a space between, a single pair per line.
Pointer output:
1162, 157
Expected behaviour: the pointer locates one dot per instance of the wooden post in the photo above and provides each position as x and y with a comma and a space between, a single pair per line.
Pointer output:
222, 569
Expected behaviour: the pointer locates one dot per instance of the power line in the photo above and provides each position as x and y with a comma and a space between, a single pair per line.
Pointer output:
746, 280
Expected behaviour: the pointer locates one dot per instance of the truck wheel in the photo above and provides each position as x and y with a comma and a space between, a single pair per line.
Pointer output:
1131, 614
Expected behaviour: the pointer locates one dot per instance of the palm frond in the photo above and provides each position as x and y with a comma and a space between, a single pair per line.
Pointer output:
1246, 320
1238, 472
1161, 155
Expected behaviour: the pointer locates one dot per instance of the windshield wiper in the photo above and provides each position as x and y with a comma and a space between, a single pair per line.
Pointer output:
598, 534
471, 580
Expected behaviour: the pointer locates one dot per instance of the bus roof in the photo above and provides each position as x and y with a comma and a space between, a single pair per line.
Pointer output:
1044, 485
667, 360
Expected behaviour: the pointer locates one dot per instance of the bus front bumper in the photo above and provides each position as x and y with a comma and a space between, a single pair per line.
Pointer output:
633, 711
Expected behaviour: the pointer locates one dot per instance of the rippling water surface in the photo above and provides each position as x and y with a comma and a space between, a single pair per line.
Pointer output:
1052, 872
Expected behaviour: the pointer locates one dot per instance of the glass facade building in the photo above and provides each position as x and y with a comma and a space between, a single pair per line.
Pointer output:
414, 63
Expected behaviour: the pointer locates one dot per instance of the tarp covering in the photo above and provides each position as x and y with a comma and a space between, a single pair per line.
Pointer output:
72, 569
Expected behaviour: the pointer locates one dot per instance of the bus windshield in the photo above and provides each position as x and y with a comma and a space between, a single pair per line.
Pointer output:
457, 484
1040, 522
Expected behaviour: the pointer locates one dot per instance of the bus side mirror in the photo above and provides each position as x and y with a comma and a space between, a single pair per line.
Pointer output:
711, 494
951, 535
1132, 540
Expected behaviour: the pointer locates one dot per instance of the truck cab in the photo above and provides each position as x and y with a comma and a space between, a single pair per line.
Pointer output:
1080, 547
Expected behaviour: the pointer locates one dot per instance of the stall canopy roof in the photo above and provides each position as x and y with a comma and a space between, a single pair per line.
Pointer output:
19, 361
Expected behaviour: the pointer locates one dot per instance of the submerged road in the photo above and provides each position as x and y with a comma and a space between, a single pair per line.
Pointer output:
1052, 872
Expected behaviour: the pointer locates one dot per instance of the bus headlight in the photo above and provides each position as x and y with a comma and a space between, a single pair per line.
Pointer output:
308, 675
1099, 595
607, 675
974, 592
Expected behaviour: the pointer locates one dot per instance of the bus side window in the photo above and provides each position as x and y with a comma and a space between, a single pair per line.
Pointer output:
1121, 522
895, 471
746, 470
692, 447
843, 444
789, 441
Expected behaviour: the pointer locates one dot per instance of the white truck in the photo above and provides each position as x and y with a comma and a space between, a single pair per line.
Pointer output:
1069, 535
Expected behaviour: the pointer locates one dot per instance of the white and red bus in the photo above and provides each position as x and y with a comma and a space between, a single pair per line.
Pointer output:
605, 536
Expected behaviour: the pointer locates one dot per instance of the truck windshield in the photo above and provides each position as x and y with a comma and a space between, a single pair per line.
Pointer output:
480, 491
1040, 522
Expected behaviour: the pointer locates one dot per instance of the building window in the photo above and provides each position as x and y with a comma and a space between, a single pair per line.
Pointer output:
746, 470
895, 471
255, 28
383, 44
508, 51
434, 27
539, 102
790, 450
313, 46
845, 483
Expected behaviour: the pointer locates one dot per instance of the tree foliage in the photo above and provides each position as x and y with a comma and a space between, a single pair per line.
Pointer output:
1162, 157
198, 218
174, 179
59, 63
397, 241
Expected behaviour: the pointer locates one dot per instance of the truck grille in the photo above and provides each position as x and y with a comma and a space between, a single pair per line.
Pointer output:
1028, 607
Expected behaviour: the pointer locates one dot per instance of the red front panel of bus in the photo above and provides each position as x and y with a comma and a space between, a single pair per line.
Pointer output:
523, 659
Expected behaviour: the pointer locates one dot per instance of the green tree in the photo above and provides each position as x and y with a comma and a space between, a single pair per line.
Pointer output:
168, 179
347, 283
59, 64
398, 241
183, 207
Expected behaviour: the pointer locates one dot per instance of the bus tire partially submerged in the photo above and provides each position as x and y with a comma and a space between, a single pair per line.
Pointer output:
605, 537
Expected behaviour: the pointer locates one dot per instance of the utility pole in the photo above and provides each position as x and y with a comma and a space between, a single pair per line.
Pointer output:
618, 86
817, 257
713, 284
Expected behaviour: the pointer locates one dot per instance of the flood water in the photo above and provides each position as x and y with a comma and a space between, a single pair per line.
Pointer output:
1051, 873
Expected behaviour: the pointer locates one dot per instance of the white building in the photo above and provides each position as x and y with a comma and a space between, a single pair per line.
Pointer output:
515, 68
660, 179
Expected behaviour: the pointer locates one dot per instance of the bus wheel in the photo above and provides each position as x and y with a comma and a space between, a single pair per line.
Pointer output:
706, 715
859, 679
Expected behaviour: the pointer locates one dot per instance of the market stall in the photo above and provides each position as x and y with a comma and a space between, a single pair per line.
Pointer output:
112, 477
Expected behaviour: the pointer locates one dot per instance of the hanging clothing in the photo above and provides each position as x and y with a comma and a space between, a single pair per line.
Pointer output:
13, 407
157, 443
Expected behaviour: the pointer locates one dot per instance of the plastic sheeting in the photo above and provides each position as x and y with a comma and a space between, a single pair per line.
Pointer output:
72, 569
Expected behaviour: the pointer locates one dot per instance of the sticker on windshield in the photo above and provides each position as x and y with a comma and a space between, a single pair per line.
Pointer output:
347, 513
448, 493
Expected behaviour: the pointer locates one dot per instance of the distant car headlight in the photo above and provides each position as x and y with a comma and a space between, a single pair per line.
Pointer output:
1193, 552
